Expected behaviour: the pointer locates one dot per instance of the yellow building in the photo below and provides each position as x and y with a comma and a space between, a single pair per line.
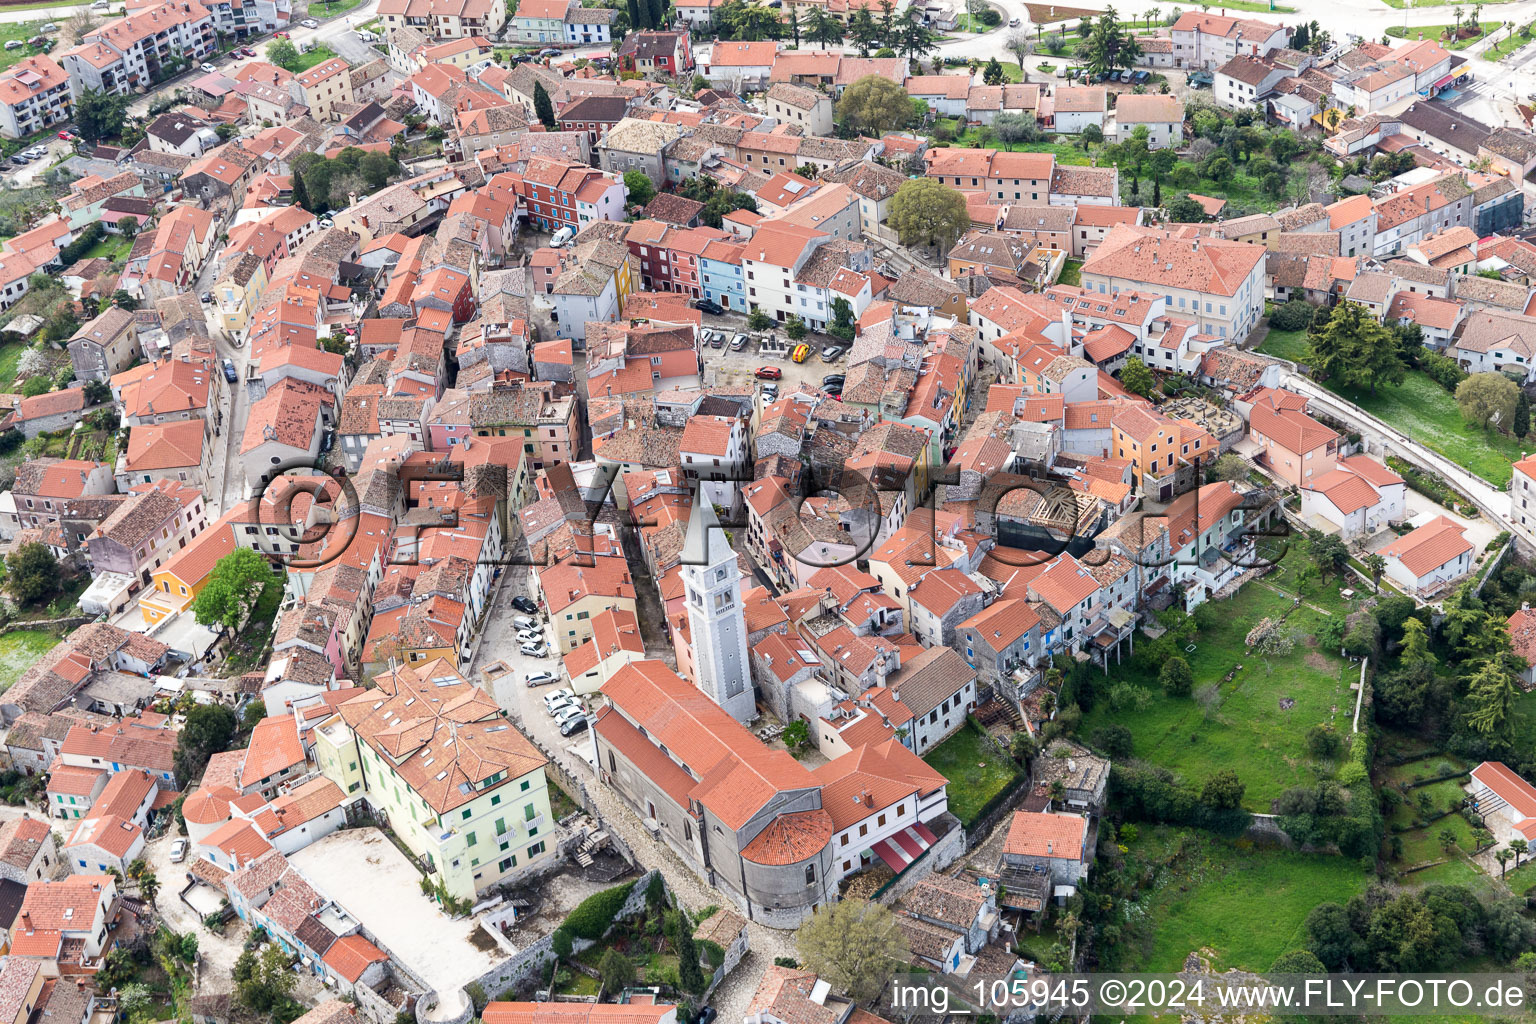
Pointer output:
462, 788
324, 86
176, 584
576, 594
237, 294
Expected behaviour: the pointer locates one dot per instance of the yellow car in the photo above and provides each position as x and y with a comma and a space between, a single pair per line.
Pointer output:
800, 353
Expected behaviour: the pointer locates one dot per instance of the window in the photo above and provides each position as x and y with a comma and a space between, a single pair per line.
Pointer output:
810, 874
536, 849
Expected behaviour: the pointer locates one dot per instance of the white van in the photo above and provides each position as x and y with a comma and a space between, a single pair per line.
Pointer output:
561, 237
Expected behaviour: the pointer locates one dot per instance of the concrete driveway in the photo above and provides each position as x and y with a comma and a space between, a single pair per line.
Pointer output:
219, 952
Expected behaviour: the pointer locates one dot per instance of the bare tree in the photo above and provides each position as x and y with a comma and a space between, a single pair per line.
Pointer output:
80, 25
1020, 45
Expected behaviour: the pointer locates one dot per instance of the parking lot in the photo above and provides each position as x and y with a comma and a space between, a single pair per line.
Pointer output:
724, 367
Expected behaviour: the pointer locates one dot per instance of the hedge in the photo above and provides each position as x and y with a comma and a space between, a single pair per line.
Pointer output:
594, 915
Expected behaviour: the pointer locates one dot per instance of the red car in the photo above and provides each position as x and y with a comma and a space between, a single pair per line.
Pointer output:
66, 136
246, 51
768, 373
280, 35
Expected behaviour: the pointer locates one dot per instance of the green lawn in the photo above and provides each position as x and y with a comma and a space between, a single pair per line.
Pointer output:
21, 30
319, 55
1065, 152
1427, 413
331, 8
112, 247
1245, 903
1266, 8
1072, 273
976, 771
1439, 32
1522, 879
1257, 722
1505, 46
1400, 4
1290, 345
10, 356
20, 649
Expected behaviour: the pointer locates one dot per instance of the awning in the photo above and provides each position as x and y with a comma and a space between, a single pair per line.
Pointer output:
1445, 81
905, 846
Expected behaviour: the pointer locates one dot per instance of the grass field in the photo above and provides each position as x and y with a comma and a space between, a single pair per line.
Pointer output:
1522, 879
976, 770
1205, 895
1505, 46
1439, 33
21, 30
1257, 723
1427, 413
19, 650
1065, 152
319, 55
10, 356
112, 247
1072, 273
1400, 4
1290, 345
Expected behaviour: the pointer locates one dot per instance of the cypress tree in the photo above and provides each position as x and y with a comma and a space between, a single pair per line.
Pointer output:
1522, 423
542, 106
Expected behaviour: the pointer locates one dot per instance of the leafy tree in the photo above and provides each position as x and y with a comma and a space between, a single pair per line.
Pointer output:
913, 38
1176, 677
926, 212
1415, 644
32, 574
689, 975
1490, 701
855, 945
262, 983
641, 191
1108, 46
794, 328
842, 325
1022, 746
1356, 350
1229, 467
1136, 378
1522, 421
874, 105
377, 169
1015, 128
757, 320
1488, 400
1115, 740
232, 589
543, 107
210, 729
821, 28
128, 226
1294, 315
993, 75
1331, 937
1297, 961
100, 115
796, 735
1020, 45
864, 31
284, 54
1223, 791
617, 971
1184, 210
35, 386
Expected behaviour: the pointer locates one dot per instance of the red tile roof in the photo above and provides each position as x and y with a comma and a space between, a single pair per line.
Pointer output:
1430, 546
1044, 834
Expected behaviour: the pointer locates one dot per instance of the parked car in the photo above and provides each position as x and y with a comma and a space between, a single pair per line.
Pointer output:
834, 378
831, 353
281, 35
834, 390
524, 622
246, 51
801, 352
707, 306
550, 52
1141, 77
1061, 71
534, 650
178, 851
20, 159
556, 708
229, 371
539, 677
523, 604
565, 693
50, 27
572, 725
768, 373
310, 23
709, 1013
530, 636
738, 343
718, 341
14, 44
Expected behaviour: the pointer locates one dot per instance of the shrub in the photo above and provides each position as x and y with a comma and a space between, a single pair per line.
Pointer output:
1442, 370
593, 915
1292, 316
